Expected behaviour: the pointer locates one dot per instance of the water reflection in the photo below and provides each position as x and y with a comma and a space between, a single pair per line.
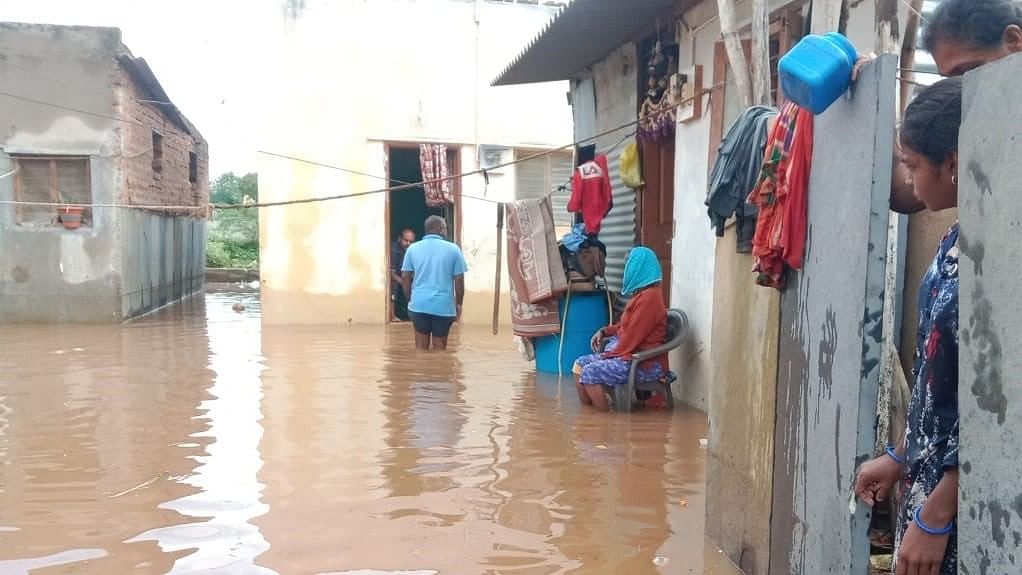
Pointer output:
196, 441
228, 492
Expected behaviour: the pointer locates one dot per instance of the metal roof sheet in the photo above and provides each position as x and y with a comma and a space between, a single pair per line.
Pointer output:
579, 35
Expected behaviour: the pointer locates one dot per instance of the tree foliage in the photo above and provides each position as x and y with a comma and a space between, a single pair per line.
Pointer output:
233, 235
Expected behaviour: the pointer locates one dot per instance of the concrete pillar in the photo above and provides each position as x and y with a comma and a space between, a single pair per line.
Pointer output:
990, 316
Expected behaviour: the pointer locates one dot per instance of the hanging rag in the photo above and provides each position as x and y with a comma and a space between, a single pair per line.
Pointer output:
782, 196
736, 172
591, 194
433, 161
534, 268
574, 239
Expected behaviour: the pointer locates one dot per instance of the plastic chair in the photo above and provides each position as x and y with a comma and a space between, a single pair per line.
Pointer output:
677, 331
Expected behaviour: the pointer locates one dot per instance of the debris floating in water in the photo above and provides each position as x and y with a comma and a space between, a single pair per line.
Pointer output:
660, 560
238, 307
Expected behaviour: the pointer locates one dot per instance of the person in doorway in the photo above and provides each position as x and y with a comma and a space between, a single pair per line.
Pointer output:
643, 326
397, 258
433, 279
927, 459
961, 35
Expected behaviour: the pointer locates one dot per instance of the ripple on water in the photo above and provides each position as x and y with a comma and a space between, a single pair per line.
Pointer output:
198, 439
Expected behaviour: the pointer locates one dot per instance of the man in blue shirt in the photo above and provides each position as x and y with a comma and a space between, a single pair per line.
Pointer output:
433, 278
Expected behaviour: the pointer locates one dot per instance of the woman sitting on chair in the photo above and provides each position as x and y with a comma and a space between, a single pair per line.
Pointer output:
643, 326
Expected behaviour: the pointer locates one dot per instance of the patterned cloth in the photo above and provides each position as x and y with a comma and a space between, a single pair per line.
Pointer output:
931, 437
534, 268
782, 197
433, 161
593, 369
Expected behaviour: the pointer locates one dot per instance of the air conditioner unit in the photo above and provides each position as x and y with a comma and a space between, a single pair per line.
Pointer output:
492, 156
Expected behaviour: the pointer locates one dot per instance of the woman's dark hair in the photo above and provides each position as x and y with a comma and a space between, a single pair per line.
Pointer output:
932, 121
974, 23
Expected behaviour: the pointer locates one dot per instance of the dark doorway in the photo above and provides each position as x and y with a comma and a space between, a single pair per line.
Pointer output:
407, 206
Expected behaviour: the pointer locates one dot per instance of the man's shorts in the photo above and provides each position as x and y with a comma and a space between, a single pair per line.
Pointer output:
434, 325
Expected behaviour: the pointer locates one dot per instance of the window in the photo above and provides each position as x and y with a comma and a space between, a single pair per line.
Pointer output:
157, 155
61, 180
538, 177
193, 167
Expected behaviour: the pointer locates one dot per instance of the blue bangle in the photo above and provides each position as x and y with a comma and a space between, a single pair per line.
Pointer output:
894, 455
926, 529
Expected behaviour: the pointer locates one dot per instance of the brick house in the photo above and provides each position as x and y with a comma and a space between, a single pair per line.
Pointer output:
86, 123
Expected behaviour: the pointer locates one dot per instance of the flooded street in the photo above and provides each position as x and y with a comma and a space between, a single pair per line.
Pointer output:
197, 441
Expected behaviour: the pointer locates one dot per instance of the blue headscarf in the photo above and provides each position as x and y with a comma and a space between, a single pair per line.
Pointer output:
642, 269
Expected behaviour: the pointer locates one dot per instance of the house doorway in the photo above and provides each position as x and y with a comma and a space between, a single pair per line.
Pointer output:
657, 204
656, 198
407, 209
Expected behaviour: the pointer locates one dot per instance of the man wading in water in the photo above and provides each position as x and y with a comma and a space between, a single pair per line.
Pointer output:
433, 279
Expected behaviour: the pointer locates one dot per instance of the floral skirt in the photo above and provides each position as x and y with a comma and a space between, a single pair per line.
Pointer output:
593, 369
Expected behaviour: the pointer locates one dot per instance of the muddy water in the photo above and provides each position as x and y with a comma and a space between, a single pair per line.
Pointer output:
197, 441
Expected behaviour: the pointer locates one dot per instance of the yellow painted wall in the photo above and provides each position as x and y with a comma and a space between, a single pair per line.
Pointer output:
352, 76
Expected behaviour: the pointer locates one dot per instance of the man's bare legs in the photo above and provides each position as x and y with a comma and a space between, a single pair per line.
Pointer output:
422, 341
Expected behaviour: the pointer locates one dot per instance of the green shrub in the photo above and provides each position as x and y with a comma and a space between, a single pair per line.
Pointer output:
233, 234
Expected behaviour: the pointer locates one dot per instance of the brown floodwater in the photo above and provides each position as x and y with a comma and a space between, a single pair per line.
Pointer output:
197, 440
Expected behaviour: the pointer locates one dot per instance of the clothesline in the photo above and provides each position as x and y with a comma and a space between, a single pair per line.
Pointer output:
212, 206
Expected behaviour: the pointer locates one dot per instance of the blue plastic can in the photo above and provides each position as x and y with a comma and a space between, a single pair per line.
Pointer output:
817, 71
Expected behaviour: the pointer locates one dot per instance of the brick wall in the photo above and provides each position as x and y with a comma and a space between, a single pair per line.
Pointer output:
143, 184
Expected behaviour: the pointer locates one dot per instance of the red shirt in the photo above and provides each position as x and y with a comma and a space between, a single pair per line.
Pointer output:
591, 193
643, 326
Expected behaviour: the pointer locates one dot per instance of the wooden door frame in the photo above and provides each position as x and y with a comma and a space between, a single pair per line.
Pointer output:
455, 169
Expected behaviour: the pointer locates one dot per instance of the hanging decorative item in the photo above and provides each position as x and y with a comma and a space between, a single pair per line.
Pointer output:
656, 115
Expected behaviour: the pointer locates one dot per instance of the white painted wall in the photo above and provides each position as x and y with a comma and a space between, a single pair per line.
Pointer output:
350, 76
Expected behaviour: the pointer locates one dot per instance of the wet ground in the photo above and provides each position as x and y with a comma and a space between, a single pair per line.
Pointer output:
199, 441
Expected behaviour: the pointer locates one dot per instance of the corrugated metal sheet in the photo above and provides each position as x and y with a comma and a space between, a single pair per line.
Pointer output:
618, 229
580, 35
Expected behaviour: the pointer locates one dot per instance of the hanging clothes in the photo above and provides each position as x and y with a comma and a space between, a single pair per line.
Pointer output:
433, 160
736, 172
591, 194
782, 196
534, 268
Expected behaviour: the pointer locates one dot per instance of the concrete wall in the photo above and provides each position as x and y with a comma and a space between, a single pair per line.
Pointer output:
326, 262
123, 262
989, 388
48, 274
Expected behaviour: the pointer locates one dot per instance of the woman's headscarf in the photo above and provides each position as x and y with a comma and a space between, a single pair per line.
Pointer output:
642, 269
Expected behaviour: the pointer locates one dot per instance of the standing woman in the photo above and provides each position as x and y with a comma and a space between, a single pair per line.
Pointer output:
927, 459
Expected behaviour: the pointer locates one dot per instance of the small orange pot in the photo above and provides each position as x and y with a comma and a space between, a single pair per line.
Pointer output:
71, 217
